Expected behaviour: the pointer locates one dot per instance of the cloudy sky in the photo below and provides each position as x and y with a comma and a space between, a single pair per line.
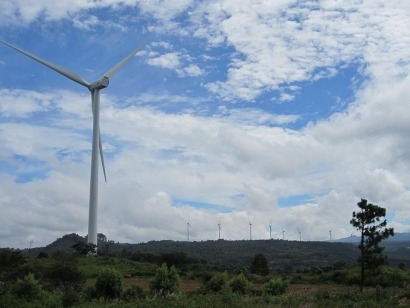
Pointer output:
270, 112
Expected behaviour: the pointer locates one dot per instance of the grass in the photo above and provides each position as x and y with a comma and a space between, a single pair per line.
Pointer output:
311, 289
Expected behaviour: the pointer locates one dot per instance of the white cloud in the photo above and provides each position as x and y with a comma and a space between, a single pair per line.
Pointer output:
169, 60
191, 70
282, 42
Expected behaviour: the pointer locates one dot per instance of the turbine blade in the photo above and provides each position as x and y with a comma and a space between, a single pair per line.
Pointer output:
58, 69
120, 64
102, 156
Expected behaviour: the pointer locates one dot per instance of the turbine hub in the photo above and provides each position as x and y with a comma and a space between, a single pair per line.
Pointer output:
100, 83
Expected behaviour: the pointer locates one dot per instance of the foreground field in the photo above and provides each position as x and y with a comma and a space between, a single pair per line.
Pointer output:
63, 280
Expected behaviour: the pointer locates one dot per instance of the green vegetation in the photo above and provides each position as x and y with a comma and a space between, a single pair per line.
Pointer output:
260, 265
372, 231
275, 287
174, 279
165, 282
109, 284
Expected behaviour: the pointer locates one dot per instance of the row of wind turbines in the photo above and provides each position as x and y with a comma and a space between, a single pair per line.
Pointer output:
188, 227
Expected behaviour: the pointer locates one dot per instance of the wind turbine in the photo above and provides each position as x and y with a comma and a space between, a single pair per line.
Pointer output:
219, 228
300, 235
270, 229
187, 229
250, 230
330, 235
283, 234
94, 88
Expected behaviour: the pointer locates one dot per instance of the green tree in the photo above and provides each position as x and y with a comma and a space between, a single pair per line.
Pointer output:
11, 262
368, 221
217, 283
28, 288
260, 265
275, 286
84, 249
166, 281
64, 272
240, 284
109, 284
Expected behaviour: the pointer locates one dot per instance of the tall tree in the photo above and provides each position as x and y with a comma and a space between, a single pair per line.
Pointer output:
370, 222
260, 265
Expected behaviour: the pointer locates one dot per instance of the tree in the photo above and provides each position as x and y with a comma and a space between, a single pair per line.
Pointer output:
240, 284
166, 281
260, 265
84, 249
368, 222
109, 284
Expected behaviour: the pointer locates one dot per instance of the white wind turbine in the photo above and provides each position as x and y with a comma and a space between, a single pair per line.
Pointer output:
270, 229
283, 234
300, 235
188, 225
219, 228
250, 229
94, 88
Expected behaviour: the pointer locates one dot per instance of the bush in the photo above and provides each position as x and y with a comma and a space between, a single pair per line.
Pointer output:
70, 297
133, 292
275, 287
109, 284
217, 283
166, 281
28, 288
240, 284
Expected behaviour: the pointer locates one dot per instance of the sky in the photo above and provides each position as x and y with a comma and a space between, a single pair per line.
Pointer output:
271, 113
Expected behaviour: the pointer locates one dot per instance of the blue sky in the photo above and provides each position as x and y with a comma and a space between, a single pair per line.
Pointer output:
289, 111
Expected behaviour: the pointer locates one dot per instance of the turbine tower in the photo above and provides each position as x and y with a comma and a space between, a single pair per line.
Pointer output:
330, 235
300, 235
283, 234
219, 228
94, 88
270, 229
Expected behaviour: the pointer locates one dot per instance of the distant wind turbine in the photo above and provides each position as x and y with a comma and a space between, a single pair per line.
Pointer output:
283, 234
187, 229
94, 88
250, 230
300, 235
219, 228
270, 229
330, 235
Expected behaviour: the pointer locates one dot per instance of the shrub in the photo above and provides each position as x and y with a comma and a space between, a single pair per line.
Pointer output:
240, 284
28, 288
275, 287
166, 281
217, 283
70, 297
133, 292
109, 284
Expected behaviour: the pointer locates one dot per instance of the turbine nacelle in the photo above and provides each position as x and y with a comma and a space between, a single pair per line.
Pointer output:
99, 84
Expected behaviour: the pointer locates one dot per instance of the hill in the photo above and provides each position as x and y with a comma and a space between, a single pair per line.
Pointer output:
281, 254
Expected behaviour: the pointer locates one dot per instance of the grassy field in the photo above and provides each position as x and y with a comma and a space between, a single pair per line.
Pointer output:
62, 280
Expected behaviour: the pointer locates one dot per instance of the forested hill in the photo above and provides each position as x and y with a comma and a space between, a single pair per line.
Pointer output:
281, 254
